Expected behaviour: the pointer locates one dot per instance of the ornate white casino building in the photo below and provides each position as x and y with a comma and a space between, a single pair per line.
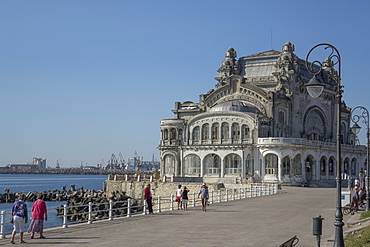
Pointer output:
260, 123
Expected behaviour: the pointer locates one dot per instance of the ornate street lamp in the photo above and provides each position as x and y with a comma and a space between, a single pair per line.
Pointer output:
356, 129
315, 88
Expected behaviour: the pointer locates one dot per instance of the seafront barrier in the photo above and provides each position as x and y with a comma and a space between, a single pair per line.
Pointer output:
131, 207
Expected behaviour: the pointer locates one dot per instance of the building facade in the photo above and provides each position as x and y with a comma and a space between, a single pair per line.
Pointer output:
260, 123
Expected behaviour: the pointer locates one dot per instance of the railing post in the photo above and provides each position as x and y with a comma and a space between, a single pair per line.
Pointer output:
2, 226
110, 210
90, 213
65, 207
219, 195
193, 199
128, 207
144, 208
245, 192
233, 195
227, 195
159, 204
212, 197
259, 190
171, 207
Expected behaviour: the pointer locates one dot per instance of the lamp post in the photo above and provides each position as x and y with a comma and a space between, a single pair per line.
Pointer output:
315, 88
356, 129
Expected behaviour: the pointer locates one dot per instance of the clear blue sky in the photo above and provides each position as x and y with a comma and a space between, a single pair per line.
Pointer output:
80, 80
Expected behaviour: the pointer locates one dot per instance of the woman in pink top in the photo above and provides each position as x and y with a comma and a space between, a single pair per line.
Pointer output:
39, 213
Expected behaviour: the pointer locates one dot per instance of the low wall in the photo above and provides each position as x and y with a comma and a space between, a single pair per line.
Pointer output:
135, 189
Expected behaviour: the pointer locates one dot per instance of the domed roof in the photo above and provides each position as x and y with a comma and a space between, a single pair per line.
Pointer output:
235, 105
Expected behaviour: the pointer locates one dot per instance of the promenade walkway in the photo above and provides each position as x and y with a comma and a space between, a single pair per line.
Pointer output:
261, 221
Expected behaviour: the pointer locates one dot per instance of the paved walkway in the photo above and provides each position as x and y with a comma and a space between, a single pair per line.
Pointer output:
262, 221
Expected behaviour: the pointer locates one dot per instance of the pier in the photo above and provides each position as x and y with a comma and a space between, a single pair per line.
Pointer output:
257, 221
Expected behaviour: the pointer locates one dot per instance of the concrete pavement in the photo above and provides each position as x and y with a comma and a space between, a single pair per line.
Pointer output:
260, 221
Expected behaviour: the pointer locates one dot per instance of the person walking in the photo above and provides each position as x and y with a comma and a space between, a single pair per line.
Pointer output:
178, 197
184, 197
20, 217
39, 214
203, 192
148, 198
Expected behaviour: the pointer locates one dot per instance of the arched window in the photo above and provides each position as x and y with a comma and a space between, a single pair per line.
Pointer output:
245, 131
235, 129
323, 167
173, 134
165, 134
286, 165
196, 134
205, 131
225, 131
297, 165
215, 130
315, 126
192, 164
212, 164
271, 164
169, 164
233, 164
281, 116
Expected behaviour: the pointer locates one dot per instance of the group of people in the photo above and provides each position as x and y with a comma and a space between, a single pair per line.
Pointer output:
181, 197
20, 217
357, 186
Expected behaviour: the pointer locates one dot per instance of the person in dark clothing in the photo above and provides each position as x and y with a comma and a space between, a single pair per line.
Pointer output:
148, 198
185, 198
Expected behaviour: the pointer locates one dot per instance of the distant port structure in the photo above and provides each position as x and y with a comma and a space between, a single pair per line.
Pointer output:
37, 163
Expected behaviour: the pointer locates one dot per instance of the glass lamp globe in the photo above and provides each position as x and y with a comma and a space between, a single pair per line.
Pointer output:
315, 87
356, 128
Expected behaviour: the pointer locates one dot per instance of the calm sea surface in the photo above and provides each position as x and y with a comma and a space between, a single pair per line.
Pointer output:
44, 182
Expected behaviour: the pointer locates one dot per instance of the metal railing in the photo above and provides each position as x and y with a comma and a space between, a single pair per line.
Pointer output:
109, 210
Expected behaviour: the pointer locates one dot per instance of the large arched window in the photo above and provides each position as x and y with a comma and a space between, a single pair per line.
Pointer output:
323, 166
245, 131
205, 131
225, 131
297, 165
235, 129
271, 164
315, 125
286, 165
169, 164
192, 164
215, 130
212, 164
196, 134
233, 164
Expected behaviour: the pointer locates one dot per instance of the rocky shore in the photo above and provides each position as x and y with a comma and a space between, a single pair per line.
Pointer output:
77, 199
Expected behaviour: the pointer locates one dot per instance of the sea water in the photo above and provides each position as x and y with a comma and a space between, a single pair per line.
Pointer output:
44, 182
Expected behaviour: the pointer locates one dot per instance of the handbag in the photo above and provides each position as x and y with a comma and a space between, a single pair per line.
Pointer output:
11, 220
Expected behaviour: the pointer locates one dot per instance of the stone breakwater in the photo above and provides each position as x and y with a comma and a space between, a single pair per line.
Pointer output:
52, 195
77, 199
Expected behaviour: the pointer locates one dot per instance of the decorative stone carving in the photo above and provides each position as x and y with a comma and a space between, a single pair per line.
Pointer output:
287, 66
230, 66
